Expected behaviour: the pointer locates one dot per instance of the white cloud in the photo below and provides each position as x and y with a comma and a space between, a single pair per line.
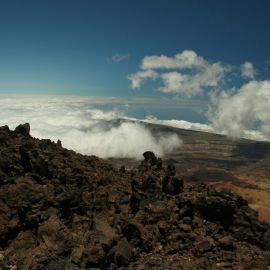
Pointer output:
118, 57
247, 70
84, 128
179, 124
138, 78
191, 85
128, 140
190, 76
186, 59
173, 82
244, 113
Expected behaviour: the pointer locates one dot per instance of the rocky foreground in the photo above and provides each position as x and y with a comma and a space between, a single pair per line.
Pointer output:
62, 210
240, 165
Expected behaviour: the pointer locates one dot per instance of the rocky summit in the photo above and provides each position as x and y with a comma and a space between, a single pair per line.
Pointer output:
63, 210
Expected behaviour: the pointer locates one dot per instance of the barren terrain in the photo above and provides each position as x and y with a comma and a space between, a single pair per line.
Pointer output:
60, 210
237, 164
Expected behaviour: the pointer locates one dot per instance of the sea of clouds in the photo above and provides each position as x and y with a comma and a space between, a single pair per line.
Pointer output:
90, 126
82, 127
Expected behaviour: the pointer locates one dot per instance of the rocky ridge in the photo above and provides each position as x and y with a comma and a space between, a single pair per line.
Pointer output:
63, 210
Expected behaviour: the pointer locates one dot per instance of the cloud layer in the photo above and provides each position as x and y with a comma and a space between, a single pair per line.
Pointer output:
85, 129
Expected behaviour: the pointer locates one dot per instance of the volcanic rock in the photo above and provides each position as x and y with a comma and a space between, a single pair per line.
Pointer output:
23, 129
62, 210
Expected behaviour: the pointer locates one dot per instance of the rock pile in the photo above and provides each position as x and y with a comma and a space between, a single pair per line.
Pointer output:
62, 210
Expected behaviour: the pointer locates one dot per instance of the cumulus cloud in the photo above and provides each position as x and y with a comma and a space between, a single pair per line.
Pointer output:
84, 128
118, 57
138, 78
190, 75
186, 59
247, 70
192, 85
243, 113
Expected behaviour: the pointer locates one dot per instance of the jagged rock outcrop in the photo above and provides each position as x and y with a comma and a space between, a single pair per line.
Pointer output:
62, 210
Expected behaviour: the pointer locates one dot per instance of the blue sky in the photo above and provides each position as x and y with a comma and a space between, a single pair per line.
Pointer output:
66, 47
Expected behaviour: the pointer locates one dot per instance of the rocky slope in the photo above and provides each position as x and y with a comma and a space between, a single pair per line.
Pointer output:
240, 165
62, 210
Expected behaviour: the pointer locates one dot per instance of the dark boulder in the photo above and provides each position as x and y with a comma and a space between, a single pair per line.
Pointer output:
23, 129
150, 157
172, 185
